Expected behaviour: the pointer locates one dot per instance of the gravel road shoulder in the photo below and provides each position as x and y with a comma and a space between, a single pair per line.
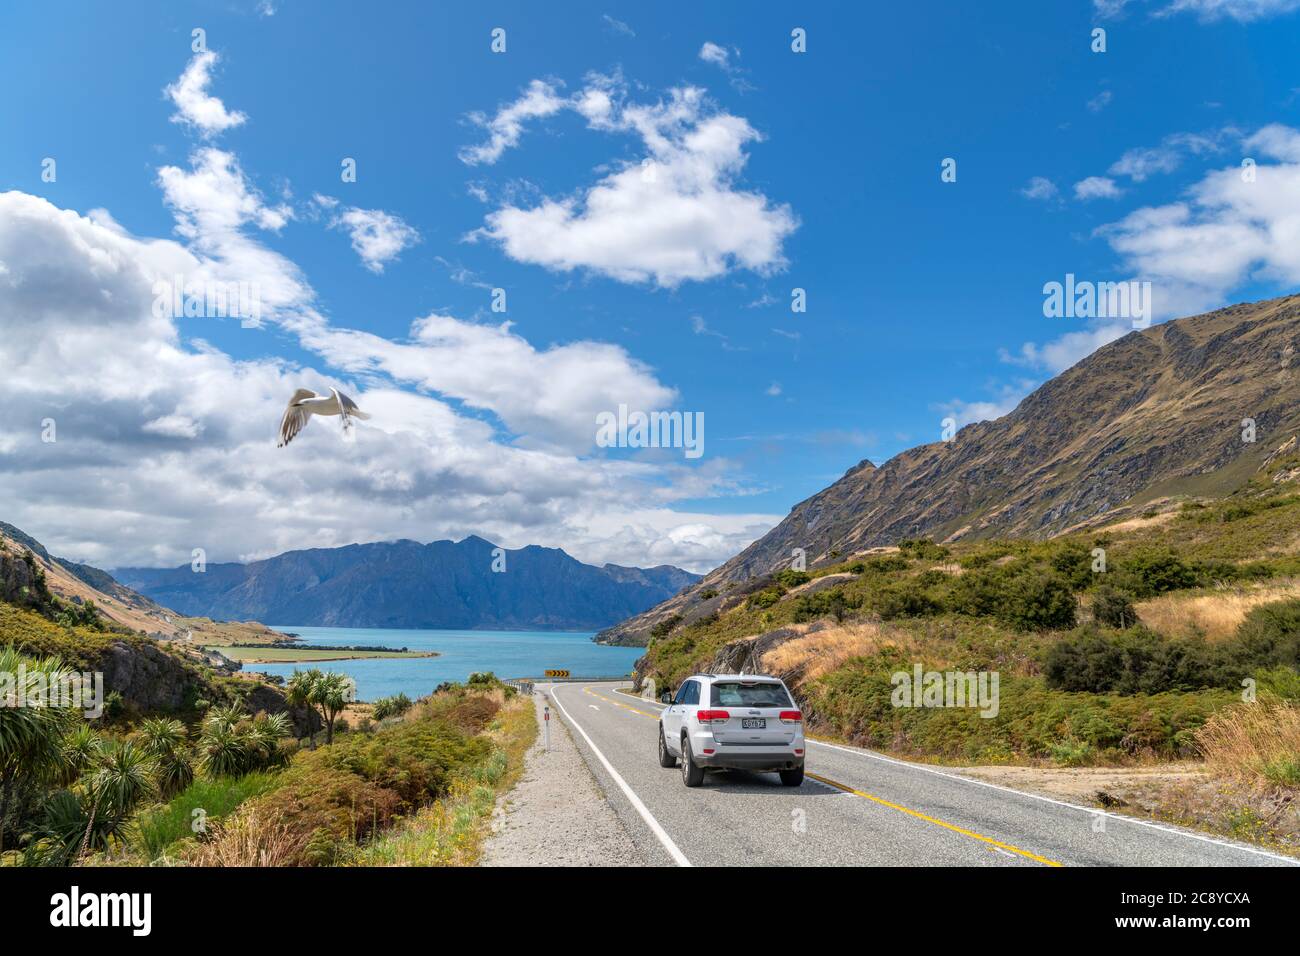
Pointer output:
557, 815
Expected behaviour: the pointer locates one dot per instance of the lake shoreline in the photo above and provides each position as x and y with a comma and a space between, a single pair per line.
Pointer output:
507, 654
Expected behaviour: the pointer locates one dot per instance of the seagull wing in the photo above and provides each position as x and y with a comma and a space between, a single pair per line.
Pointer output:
295, 417
349, 407
343, 408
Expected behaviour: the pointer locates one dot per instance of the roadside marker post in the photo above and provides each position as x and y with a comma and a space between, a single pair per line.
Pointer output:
546, 725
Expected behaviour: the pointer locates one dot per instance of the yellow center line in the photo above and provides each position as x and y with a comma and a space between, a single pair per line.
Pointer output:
936, 821
587, 690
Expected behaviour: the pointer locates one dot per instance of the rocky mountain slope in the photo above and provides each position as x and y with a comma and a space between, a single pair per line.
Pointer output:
442, 584
1155, 414
45, 610
78, 583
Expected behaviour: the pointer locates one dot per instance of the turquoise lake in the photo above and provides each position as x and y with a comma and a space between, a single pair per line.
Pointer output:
505, 653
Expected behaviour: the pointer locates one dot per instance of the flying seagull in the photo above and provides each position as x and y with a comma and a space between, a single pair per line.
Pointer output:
306, 403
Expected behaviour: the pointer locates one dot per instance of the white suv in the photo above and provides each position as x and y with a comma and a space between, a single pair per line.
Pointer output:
732, 722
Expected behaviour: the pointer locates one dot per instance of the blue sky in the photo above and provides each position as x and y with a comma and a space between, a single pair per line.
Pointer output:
818, 170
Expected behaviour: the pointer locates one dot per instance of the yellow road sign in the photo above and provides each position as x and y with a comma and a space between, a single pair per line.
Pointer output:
557, 673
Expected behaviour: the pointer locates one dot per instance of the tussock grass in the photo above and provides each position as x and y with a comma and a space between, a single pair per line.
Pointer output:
252, 837
813, 655
1215, 616
1258, 742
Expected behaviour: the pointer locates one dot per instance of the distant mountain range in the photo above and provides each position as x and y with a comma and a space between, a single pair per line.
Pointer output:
1192, 407
405, 584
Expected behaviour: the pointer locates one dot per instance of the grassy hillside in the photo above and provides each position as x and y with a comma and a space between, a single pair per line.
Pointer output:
1096, 666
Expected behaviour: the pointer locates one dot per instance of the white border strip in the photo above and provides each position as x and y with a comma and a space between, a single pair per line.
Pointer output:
678, 856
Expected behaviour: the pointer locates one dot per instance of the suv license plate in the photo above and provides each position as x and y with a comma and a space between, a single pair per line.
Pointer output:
753, 723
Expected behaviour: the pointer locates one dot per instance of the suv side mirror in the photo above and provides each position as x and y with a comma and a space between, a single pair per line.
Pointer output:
666, 698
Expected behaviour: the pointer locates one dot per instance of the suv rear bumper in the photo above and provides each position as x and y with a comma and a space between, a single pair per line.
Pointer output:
730, 760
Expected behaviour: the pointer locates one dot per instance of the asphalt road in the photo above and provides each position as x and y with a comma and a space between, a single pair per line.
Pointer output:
863, 809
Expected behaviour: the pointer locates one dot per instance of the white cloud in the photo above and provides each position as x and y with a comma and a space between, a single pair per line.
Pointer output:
1039, 188
617, 26
1244, 11
1100, 101
965, 413
167, 443
195, 106
378, 237
1096, 187
1143, 162
1226, 232
717, 55
676, 216
174, 426
726, 60
1197, 251
774, 389
505, 128
549, 397
1208, 11
1067, 350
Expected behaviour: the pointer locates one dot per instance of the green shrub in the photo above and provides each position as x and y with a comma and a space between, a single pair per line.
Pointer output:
1270, 635
768, 597
832, 602
923, 548
1033, 720
988, 554
790, 578
1073, 561
394, 706
338, 795
906, 598
1138, 661
1151, 571
880, 564
1111, 607
665, 627
1024, 598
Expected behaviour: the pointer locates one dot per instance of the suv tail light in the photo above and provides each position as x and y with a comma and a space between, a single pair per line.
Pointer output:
711, 716
791, 717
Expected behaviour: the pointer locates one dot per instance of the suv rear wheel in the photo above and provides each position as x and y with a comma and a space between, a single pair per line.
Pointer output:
792, 778
692, 775
666, 759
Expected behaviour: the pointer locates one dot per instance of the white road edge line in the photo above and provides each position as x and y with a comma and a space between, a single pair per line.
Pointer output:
859, 752
678, 856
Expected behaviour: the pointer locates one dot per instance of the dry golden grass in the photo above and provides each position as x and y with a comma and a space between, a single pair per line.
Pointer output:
813, 655
250, 838
1134, 524
1257, 742
1216, 616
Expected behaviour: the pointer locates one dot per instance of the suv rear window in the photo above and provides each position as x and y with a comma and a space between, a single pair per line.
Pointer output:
736, 694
